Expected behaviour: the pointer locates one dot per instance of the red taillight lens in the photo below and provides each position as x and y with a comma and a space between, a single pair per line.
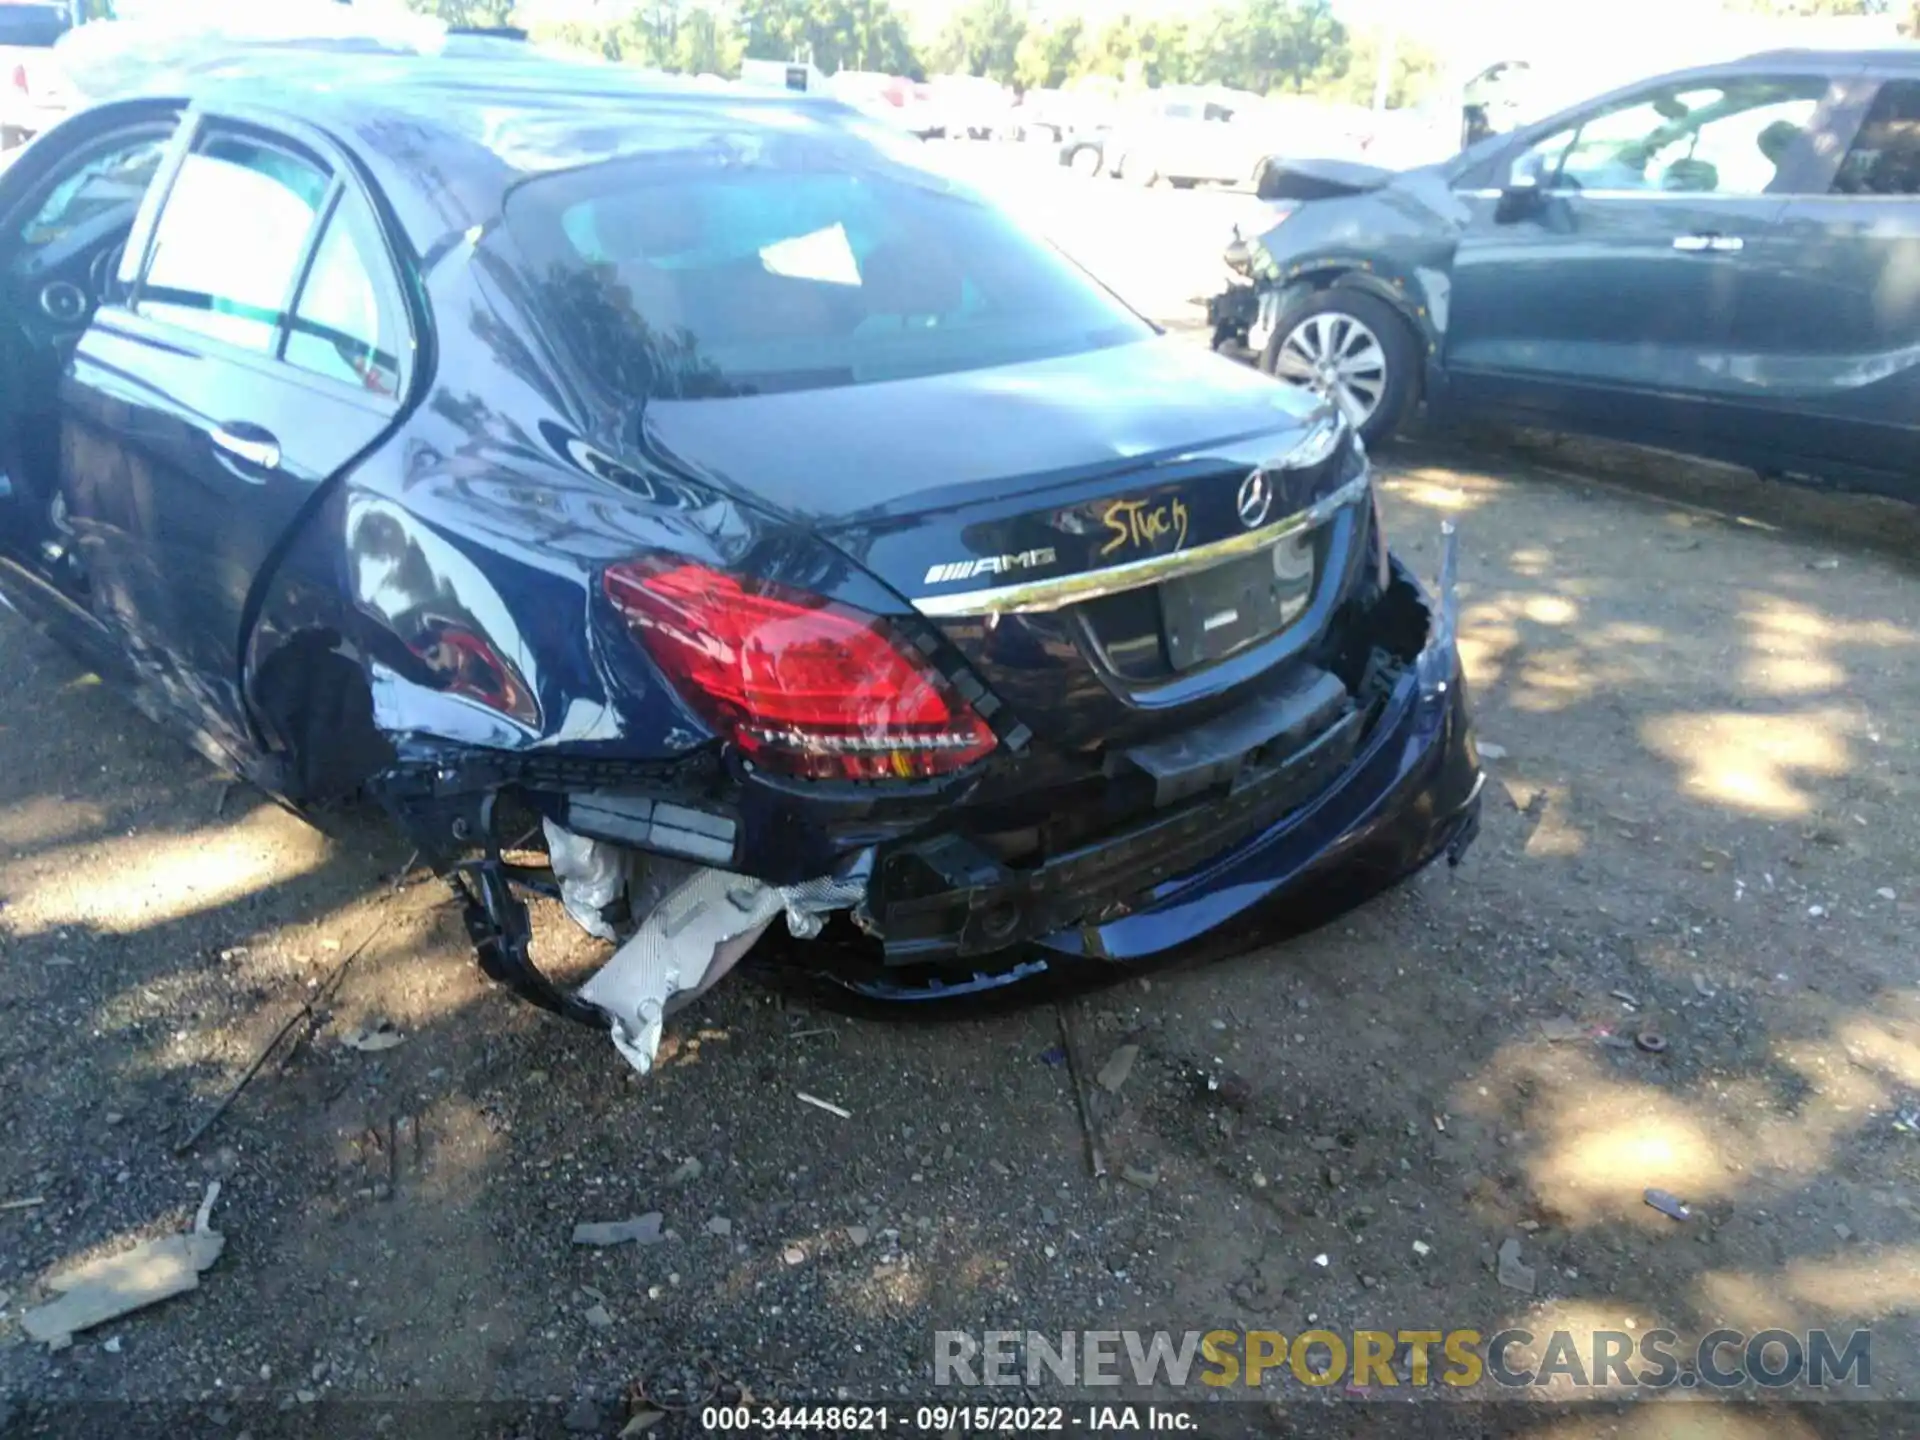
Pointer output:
802, 685
20, 78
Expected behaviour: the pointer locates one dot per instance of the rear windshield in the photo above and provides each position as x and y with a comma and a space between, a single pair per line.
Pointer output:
694, 276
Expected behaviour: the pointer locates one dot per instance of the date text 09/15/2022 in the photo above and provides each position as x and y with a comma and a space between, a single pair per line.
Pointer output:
943, 1419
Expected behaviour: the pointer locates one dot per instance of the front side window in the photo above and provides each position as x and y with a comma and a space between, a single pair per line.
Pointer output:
1723, 138
704, 274
229, 241
341, 327
1885, 156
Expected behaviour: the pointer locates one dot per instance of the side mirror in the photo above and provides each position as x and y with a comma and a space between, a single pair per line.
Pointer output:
1521, 196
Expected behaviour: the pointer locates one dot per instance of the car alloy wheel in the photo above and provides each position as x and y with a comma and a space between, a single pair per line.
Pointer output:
1336, 355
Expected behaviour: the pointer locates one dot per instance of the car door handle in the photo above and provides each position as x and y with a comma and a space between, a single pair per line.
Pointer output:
249, 443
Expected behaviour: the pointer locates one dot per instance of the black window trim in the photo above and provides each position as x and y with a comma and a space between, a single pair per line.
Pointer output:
196, 126
358, 220
209, 128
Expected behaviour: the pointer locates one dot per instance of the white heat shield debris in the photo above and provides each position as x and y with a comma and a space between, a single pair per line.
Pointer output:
691, 939
591, 875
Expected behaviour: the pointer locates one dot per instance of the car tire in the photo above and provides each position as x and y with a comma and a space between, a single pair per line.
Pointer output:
1183, 183
1086, 161
1136, 171
1361, 340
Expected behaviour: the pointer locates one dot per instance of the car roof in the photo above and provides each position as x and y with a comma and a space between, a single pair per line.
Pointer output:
447, 135
1904, 56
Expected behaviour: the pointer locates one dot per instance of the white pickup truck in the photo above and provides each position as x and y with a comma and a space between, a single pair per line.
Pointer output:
33, 92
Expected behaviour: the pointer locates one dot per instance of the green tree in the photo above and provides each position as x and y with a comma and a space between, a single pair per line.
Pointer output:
466, 12
1049, 55
1286, 43
983, 38
834, 34
1146, 52
1350, 74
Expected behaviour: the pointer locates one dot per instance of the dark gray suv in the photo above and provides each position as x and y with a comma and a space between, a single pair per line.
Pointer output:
1724, 261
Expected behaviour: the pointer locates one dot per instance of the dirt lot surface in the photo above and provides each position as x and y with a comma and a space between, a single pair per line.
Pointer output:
1702, 830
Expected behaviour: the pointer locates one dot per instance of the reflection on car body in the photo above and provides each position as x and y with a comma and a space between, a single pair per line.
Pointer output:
1719, 261
682, 478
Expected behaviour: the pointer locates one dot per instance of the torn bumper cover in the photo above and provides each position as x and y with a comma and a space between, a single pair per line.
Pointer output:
1328, 789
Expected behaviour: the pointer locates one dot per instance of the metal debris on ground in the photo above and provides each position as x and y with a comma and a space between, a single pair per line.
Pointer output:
1053, 1055
1886, 892
598, 1316
1420, 1247
24, 1203
1510, 1270
720, 1225
1651, 1041
1907, 1120
1626, 997
116, 1285
686, 1172
1668, 1204
381, 1035
1119, 1066
643, 1421
1076, 1073
1490, 751
309, 1008
1563, 1027
1140, 1179
641, 1230
826, 1105
1702, 988
1322, 1260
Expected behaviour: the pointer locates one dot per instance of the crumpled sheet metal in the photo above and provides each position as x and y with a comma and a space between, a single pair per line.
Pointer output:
692, 938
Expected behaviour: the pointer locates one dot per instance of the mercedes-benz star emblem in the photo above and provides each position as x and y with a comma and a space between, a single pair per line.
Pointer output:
1256, 498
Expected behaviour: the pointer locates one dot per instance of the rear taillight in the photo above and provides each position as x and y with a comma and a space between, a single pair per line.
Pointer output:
19, 78
802, 685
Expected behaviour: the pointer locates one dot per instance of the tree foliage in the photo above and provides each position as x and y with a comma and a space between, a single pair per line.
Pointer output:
475, 13
1299, 46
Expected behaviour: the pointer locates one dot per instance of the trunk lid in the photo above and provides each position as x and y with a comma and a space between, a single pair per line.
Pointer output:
1109, 539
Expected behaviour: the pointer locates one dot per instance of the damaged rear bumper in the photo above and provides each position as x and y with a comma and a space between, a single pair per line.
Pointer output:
1301, 803
1410, 794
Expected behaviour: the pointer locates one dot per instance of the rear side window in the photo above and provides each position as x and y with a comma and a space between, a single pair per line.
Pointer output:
699, 275
1885, 158
229, 242
341, 326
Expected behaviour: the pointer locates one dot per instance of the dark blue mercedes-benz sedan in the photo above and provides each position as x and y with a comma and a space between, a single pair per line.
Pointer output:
690, 480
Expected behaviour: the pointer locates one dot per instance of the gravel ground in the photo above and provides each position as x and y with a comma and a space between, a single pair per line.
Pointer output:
1701, 826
